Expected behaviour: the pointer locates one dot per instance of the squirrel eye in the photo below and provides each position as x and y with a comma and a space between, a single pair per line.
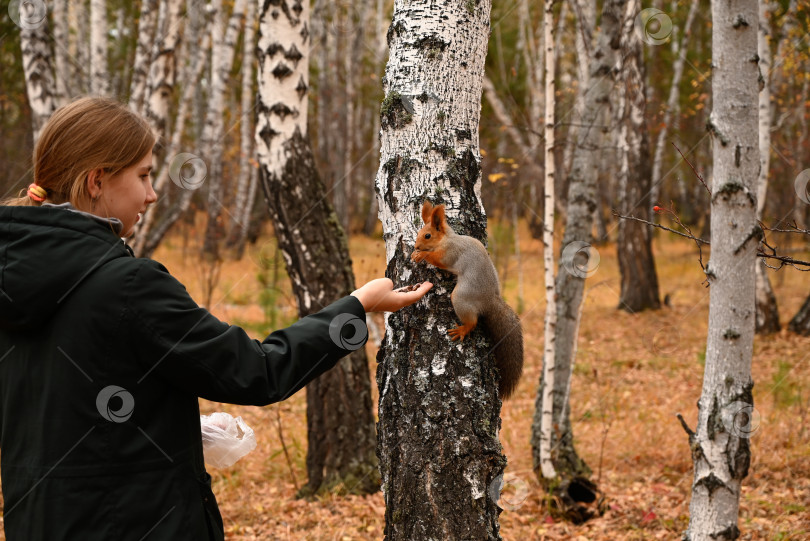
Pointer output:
427, 236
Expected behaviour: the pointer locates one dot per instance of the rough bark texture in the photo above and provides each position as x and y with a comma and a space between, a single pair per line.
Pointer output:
720, 447
544, 405
574, 267
223, 45
767, 308
639, 280
99, 73
147, 26
672, 101
440, 458
246, 186
37, 63
160, 88
341, 438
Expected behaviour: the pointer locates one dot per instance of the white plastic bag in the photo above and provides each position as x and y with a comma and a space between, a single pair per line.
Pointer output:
225, 439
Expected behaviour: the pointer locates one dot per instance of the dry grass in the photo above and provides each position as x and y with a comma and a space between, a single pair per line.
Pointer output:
633, 374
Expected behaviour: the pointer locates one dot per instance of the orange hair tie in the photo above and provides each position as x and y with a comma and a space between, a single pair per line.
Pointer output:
37, 193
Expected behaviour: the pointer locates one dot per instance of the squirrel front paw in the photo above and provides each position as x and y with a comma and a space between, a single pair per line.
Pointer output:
418, 256
460, 332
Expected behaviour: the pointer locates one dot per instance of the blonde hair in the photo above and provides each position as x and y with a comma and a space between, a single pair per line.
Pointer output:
85, 135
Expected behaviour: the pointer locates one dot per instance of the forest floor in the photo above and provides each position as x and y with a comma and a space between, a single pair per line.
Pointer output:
633, 373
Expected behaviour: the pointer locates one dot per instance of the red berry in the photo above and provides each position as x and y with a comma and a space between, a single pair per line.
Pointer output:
656, 208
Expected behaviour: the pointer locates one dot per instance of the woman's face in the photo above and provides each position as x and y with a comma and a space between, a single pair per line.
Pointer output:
127, 194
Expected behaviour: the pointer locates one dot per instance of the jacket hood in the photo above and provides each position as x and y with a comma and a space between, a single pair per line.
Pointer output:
45, 253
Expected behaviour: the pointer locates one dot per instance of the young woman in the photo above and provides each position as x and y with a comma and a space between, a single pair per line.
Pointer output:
103, 355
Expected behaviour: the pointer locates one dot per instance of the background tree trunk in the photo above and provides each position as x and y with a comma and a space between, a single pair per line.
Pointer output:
639, 280
544, 405
99, 73
246, 186
37, 63
720, 448
341, 438
575, 491
767, 320
440, 458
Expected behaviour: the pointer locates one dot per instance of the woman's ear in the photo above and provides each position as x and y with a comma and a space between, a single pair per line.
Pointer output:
94, 182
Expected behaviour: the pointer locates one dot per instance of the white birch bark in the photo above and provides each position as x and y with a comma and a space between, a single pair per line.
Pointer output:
37, 64
585, 11
550, 327
61, 60
720, 447
162, 69
672, 102
767, 319
147, 28
223, 44
99, 72
442, 481
246, 186
79, 15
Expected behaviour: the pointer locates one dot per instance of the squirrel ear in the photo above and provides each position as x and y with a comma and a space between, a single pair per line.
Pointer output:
437, 219
427, 210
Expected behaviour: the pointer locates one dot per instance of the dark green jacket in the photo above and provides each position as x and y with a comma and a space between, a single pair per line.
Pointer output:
102, 358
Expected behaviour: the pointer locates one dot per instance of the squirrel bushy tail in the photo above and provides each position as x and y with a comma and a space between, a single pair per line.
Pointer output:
504, 330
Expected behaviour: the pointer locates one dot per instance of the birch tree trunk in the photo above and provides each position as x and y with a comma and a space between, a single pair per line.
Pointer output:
61, 30
672, 103
767, 320
340, 422
162, 69
37, 63
639, 280
223, 44
99, 73
159, 220
147, 27
544, 406
720, 447
575, 491
246, 186
440, 458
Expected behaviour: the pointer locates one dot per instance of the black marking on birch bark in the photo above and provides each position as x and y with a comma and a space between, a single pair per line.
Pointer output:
737, 155
297, 8
301, 88
463, 134
728, 534
714, 422
711, 483
273, 48
282, 110
755, 58
396, 28
282, 4
731, 334
756, 234
393, 113
739, 21
293, 55
433, 46
713, 129
267, 134
739, 461
304, 33
281, 71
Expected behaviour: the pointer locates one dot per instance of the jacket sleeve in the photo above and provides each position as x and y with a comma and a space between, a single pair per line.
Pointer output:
177, 340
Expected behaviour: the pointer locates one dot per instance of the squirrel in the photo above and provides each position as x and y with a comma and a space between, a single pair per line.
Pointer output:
477, 293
